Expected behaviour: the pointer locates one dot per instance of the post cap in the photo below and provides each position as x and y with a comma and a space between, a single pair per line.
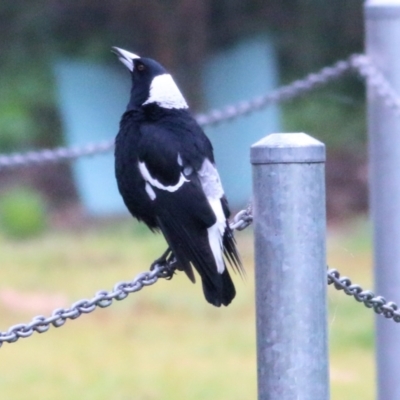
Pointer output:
279, 148
382, 9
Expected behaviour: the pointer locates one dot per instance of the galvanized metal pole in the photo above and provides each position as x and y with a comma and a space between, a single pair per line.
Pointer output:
383, 48
290, 257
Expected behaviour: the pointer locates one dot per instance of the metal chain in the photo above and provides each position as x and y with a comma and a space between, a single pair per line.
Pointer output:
121, 290
242, 219
104, 298
284, 93
101, 299
358, 62
376, 80
55, 155
388, 309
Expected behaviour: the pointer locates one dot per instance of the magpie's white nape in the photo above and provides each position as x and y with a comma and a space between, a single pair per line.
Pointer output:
165, 93
166, 174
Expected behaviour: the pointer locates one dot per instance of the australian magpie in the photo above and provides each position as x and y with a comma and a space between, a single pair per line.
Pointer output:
167, 177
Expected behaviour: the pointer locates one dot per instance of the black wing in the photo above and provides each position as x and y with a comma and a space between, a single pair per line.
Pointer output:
169, 161
129, 180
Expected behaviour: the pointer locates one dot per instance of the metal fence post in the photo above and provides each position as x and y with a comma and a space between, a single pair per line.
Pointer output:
383, 48
290, 257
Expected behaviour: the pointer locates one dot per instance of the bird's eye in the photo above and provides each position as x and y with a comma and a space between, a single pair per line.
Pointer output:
140, 67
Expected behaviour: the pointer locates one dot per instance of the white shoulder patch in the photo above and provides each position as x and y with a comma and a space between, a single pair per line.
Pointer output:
150, 192
216, 233
165, 93
210, 180
155, 183
212, 187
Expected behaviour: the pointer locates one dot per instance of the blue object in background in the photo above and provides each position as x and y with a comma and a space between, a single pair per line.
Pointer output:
239, 73
92, 99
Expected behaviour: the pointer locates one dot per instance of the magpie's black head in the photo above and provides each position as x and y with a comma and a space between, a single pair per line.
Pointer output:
151, 83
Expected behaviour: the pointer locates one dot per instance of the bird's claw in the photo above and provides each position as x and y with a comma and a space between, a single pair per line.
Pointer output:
167, 264
167, 272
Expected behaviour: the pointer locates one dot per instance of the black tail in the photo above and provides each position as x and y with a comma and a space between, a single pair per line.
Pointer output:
190, 244
219, 291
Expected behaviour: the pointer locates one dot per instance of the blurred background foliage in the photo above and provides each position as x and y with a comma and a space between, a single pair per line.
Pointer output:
308, 34
22, 213
118, 352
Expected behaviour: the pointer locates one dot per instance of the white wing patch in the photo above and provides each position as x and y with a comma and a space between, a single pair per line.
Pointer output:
179, 159
211, 184
210, 180
165, 93
155, 183
186, 170
150, 191
216, 233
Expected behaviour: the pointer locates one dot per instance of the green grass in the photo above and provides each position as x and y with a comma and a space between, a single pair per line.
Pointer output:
164, 342
350, 323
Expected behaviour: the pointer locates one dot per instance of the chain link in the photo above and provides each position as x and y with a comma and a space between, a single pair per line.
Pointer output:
376, 80
388, 309
241, 220
102, 299
121, 290
48, 156
358, 62
284, 93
